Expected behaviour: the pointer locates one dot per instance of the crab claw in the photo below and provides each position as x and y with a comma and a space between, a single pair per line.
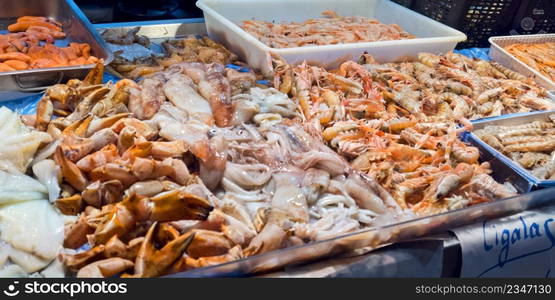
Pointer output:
86, 104
78, 128
95, 75
105, 268
80, 147
45, 109
100, 193
187, 263
106, 122
177, 205
142, 149
119, 220
152, 262
70, 171
70, 205
76, 233
64, 96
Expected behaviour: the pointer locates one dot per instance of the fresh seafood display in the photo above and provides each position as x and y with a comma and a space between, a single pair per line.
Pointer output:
181, 171
538, 56
196, 164
405, 139
134, 56
30, 45
531, 145
332, 29
31, 230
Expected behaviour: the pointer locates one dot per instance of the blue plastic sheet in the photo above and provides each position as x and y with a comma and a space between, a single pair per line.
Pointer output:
481, 53
24, 106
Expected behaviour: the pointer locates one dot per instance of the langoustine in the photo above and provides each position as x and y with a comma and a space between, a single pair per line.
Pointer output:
531, 145
404, 138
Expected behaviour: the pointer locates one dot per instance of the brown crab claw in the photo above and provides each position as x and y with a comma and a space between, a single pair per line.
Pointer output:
105, 268
116, 248
76, 233
152, 262
78, 128
142, 149
100, 193
70, 205
95, 75
70, 171
45, 109
86, 104
178, 205
63, 96
118, 221
77, 261
106, 122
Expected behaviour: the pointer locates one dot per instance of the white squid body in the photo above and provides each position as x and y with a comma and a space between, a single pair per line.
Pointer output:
31, 231
179, 90
19, 142
49, 174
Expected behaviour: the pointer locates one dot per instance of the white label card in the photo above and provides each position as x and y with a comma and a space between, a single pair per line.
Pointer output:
522, 245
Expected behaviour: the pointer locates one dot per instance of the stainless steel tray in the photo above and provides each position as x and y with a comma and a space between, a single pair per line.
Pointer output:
509, 121
499, 54
373, 238
17, 84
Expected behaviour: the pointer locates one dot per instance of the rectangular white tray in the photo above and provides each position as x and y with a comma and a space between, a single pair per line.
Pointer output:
224, 17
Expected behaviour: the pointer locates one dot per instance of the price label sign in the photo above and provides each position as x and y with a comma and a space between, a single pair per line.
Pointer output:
522, 245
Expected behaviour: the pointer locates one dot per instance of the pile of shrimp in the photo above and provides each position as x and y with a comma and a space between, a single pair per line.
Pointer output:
30, 45
538, 56
411, 150
456, 86
182, 171
333, 29
531, 145
189, 49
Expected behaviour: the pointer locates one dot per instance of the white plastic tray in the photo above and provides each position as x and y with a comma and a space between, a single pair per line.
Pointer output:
224, 17
502, 56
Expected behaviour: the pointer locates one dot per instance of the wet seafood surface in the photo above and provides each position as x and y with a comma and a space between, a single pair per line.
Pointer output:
329, 30
384, 121
196, 165
181, 171
530, 145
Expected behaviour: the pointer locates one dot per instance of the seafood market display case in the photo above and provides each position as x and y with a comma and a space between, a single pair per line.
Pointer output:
223, 20
367, 239
19, 83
